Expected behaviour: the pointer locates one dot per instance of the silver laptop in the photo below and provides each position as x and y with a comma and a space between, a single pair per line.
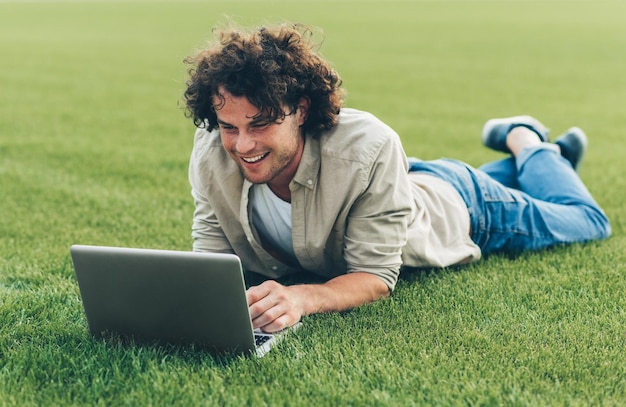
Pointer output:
168, 297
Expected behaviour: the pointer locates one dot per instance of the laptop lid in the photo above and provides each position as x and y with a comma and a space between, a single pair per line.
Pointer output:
165, 296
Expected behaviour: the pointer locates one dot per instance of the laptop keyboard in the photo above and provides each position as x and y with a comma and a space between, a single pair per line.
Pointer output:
260, 339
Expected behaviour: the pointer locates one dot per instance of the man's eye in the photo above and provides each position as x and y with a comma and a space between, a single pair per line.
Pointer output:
260, 125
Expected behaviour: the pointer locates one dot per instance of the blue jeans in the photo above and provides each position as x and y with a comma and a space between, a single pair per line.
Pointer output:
530, 202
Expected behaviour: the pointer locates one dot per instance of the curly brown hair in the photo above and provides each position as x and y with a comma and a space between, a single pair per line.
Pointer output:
274, 68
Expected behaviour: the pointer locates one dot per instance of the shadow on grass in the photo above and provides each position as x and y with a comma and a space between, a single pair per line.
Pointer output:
174, 353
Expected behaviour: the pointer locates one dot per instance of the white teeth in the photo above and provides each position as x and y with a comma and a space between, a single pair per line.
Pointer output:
253, 159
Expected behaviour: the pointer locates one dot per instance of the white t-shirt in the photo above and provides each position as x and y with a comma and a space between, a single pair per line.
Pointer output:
271, 216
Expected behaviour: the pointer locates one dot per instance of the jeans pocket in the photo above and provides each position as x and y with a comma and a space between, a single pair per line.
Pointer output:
492, 191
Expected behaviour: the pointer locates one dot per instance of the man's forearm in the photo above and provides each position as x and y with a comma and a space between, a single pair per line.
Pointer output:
274, 306
341, 293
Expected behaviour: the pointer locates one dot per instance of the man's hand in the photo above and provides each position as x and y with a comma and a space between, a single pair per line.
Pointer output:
274, 306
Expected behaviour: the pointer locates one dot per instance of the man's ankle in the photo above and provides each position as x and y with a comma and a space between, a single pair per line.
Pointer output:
521, 137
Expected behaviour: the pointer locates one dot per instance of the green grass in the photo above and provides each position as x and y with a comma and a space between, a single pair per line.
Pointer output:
94, 149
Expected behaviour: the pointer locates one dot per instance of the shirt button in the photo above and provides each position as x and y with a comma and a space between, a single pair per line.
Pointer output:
274, 268
309, 182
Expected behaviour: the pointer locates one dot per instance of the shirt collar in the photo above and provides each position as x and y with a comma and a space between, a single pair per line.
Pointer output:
309, 167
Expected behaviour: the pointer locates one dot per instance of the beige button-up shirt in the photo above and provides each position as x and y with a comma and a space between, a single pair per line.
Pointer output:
353, 206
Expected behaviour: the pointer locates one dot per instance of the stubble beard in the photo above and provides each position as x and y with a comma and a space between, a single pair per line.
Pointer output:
280, 162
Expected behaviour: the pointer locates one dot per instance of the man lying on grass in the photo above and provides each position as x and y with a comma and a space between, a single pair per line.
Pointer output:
289, 180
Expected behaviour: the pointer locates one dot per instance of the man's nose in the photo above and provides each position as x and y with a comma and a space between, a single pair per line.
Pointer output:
245, 142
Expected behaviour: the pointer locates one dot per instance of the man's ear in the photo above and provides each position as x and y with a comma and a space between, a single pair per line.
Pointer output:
303, 110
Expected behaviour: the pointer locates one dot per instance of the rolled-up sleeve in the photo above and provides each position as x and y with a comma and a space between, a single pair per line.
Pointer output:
377, 226
206, 231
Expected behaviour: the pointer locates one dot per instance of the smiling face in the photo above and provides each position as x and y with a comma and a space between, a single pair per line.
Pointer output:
266, 152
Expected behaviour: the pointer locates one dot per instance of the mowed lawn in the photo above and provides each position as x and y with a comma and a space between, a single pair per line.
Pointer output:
94, 147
